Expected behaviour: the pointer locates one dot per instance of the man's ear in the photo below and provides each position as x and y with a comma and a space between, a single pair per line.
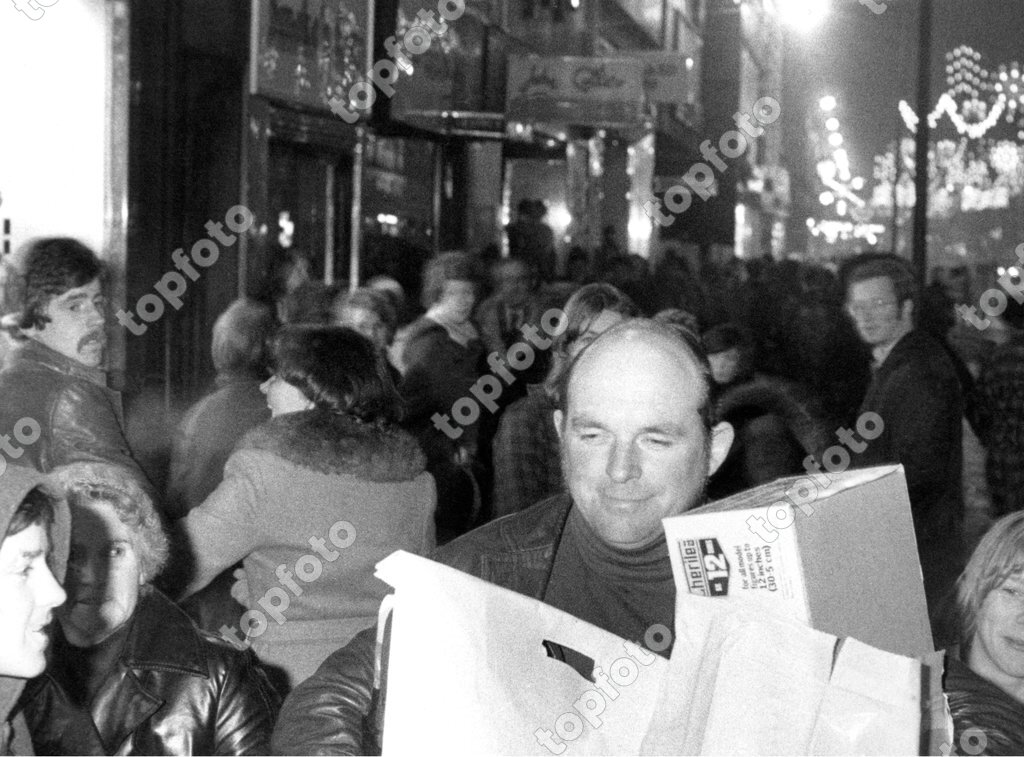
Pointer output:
907, 311
558, 417
721, 440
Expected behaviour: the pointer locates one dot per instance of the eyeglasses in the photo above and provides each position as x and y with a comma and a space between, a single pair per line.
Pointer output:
868, 306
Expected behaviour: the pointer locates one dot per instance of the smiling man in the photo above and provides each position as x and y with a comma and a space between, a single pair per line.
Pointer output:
33, 521
638, 444
916, 391
55, 407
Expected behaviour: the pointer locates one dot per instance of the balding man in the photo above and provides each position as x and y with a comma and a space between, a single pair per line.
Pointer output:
637, 445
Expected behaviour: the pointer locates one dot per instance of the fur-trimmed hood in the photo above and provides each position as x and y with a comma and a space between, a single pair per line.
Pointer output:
338, 444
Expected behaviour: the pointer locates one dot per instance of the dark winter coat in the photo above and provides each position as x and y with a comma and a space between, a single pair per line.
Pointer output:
206, 437
980, 709
999, 419
917, 394
777, 425
438, 372
173, 690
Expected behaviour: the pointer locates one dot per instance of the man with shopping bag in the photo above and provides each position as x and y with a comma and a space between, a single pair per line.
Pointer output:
637, 445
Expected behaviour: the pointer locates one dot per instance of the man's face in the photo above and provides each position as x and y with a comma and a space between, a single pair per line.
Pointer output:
634, 446
879, 318
104, 575
28, 595
75, 328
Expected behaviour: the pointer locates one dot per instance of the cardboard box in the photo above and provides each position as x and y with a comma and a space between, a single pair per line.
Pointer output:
836, 550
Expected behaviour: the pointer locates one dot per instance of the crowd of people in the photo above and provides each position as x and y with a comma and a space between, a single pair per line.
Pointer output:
529, 429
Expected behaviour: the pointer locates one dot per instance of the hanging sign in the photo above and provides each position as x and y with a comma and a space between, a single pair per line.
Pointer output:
667, 77
578, 91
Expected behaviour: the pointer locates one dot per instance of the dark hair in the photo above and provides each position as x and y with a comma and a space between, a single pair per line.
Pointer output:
675, 333
38, 508
50, 267
448, 266
338, 370
679, 317
240, 336
723, 337
280, 267
885, 266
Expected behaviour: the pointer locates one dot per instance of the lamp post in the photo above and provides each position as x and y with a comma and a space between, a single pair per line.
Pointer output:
920, 245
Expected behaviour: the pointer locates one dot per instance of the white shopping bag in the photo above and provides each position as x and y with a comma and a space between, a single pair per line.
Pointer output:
469, 672
747, 679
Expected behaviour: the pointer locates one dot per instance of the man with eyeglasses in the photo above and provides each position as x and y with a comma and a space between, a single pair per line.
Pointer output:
916, 391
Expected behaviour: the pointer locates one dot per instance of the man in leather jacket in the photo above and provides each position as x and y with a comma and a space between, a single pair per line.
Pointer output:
56, 407
637, 445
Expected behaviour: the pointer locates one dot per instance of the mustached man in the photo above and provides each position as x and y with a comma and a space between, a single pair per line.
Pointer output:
55, 407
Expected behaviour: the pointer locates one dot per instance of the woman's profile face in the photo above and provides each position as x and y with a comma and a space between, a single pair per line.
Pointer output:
283, 397
997, 650
104, 575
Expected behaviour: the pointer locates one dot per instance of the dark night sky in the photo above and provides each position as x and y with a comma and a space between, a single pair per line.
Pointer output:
869, 61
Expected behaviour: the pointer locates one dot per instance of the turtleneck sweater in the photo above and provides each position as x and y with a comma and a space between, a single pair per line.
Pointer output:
622, 591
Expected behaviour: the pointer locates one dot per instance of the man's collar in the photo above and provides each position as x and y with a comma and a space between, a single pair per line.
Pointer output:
37, 352
879, 354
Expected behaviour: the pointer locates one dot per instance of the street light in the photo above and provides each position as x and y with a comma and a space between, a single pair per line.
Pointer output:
802, 15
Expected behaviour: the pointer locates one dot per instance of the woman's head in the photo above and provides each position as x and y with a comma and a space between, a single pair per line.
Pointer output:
117, 546
990, 600
592, 310
369, 312
450, 282
330, 368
